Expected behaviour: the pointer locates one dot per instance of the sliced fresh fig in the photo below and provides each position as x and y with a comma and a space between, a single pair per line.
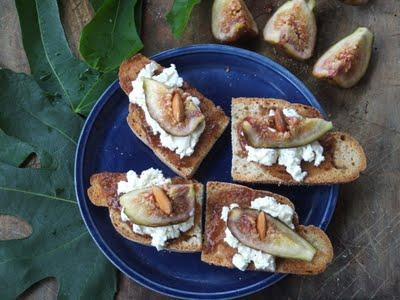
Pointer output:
279, 240
306, 131
142, 209
293, 28
355, 2
346, 62
231, 21
159, 101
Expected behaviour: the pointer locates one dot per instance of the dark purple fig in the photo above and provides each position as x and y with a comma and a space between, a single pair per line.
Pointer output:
346, 62
355, 2
141, 207
293, 28
160, 103
231, 21
279, 239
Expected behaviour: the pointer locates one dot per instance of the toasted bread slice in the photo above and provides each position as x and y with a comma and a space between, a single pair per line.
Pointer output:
344, 157
217, 252
103, 191
215, 118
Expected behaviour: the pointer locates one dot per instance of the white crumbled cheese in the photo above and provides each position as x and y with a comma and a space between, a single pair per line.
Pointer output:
169, 76
277, 210
246, 255
291, 113
195, 100
289, 157
263, 156
181, 145
225, 211
160, 235
147, 178
271, 113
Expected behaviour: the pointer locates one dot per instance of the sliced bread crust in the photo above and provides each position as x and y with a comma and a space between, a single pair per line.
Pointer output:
344, 156
217, 252
104, 188
215, 118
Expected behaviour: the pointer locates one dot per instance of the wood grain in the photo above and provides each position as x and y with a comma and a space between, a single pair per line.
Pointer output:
366, 224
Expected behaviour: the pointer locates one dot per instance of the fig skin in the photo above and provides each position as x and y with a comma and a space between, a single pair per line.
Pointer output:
142, 209
231, 21
159, 103
293, 28
280, 240
346, 62
306, 131
355, 2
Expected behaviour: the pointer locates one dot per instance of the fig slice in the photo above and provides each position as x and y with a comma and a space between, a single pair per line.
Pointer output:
279, 240
293, 28
232, 21
159, 104
142, 209
355, 2
346, 62
306, 131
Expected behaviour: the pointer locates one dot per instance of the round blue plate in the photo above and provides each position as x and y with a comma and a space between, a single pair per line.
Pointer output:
107, 144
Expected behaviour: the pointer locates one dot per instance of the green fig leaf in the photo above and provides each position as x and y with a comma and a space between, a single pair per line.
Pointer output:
59, 245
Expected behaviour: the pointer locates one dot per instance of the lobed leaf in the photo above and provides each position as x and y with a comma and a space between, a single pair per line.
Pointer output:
60, 245
111, 36
179, 15
54, 66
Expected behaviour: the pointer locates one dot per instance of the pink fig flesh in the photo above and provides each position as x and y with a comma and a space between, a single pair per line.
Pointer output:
293, 28
346, 62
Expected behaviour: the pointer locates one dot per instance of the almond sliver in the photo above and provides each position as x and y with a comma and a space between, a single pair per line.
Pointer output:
178, 109
261, 225
162, 200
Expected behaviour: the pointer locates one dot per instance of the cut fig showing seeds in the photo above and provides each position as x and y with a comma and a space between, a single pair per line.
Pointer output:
355, 2
346, 62
231, 21
142, 208
279, 240
159, 101
293, 28
306, 131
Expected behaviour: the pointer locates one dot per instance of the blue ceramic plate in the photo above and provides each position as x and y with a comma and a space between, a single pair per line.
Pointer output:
107, 144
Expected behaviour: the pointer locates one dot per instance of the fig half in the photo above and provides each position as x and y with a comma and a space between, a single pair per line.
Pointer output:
279, 240
141, 207
306, 131
293, 28
355, 2
231, 21
159, 101
346, 62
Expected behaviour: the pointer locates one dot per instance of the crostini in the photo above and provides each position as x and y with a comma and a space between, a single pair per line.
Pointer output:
275, 141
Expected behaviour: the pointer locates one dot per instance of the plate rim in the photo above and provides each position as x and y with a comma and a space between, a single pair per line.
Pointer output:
80, 193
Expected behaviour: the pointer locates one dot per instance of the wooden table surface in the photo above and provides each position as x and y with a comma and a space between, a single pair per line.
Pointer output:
365, 229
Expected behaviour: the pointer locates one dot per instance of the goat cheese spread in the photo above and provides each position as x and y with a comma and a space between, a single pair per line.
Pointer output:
181, 145
246, 255
159, 235
147, 178
290, 158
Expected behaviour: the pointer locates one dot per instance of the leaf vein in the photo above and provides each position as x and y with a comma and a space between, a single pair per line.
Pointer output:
50, 61
37, 194
49, 125
45, 253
